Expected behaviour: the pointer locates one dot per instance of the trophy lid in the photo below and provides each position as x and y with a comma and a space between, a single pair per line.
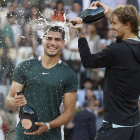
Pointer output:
92, 15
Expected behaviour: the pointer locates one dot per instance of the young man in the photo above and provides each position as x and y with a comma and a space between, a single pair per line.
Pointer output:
45, 82
121, 82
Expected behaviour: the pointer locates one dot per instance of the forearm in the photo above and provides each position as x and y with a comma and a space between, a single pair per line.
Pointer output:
65, 118
10, 103
8, 43
104, 58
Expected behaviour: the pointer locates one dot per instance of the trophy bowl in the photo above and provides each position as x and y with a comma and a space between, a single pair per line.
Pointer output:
90, 16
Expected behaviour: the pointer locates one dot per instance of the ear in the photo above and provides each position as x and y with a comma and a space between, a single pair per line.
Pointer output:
128, 24
63, 42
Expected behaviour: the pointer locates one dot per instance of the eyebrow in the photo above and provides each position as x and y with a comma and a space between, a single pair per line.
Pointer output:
55, 38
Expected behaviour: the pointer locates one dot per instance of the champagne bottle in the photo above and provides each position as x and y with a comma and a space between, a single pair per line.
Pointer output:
28, 118
90, 16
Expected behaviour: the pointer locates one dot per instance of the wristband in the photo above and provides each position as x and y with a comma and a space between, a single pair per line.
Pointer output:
48, 127
79, 34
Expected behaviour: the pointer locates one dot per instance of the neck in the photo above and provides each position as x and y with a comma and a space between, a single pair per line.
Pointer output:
49, 62
129, 35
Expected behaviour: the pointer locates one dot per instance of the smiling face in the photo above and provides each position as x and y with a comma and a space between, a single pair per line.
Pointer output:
118, 27
53, 43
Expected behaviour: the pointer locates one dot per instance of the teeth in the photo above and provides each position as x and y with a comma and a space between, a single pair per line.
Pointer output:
52, 48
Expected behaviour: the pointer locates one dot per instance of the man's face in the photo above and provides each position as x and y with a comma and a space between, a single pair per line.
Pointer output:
87, 85
53, 43
12, 19
118, 27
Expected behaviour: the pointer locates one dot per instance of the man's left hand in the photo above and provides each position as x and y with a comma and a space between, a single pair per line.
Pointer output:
42, 129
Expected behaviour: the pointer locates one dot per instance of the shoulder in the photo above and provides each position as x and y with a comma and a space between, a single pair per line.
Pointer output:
27, 63
67, 69
68, 73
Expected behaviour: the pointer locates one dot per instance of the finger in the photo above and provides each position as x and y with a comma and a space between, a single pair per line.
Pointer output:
23, 102
19, 96
34, 133
93, 3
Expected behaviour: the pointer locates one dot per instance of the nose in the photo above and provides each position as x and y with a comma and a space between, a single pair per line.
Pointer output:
111, 27
52, 42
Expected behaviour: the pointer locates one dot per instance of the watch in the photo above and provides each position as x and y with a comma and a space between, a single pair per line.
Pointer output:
48, 127
82, 33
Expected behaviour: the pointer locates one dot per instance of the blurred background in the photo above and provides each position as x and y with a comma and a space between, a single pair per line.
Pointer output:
20, 40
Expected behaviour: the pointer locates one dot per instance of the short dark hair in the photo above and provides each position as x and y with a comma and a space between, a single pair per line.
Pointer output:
88, 80
55, 29
87, 103
10, 14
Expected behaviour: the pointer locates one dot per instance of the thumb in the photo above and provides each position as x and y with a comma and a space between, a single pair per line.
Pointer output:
37, 123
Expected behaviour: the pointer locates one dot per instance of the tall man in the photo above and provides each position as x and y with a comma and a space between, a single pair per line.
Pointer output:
121, 82
45, 83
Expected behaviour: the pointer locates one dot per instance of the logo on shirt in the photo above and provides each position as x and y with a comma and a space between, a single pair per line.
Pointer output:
44, 73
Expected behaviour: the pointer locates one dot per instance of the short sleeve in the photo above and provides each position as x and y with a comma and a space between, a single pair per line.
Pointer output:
6, 31
71, 83
19, 74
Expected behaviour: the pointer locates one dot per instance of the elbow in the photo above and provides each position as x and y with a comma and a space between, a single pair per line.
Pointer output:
70, 117
86, 65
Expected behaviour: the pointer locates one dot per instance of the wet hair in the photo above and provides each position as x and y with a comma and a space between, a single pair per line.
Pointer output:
55, 29
127, 13
10, 14
87, 103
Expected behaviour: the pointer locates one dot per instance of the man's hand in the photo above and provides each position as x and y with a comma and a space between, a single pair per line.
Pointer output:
79, 25
97, 3
20, 100
42, 129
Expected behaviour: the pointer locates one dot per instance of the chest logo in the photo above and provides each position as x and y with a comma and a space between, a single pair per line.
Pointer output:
44, 73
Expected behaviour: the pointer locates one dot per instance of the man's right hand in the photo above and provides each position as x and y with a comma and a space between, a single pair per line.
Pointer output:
79, 25
97, 3
20, 100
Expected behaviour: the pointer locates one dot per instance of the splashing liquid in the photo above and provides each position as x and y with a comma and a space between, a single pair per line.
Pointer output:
43, 23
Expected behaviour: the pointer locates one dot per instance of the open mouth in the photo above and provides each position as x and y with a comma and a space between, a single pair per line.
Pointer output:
52, 48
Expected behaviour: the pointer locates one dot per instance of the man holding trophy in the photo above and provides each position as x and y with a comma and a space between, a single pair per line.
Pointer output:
122, 61
46, 90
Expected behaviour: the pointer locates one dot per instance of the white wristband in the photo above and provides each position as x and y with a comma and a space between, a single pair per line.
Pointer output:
48, 127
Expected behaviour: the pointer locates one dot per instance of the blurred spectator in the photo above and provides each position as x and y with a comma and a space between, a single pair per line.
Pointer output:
93, 39
30, 30
81, 94
17, 34
76, 11
84, 123
90, 96
8, 33
21, 8
6, 67
47, 11
71, 52
102, 27
25, 50
11, 119
84, 3
57, 15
